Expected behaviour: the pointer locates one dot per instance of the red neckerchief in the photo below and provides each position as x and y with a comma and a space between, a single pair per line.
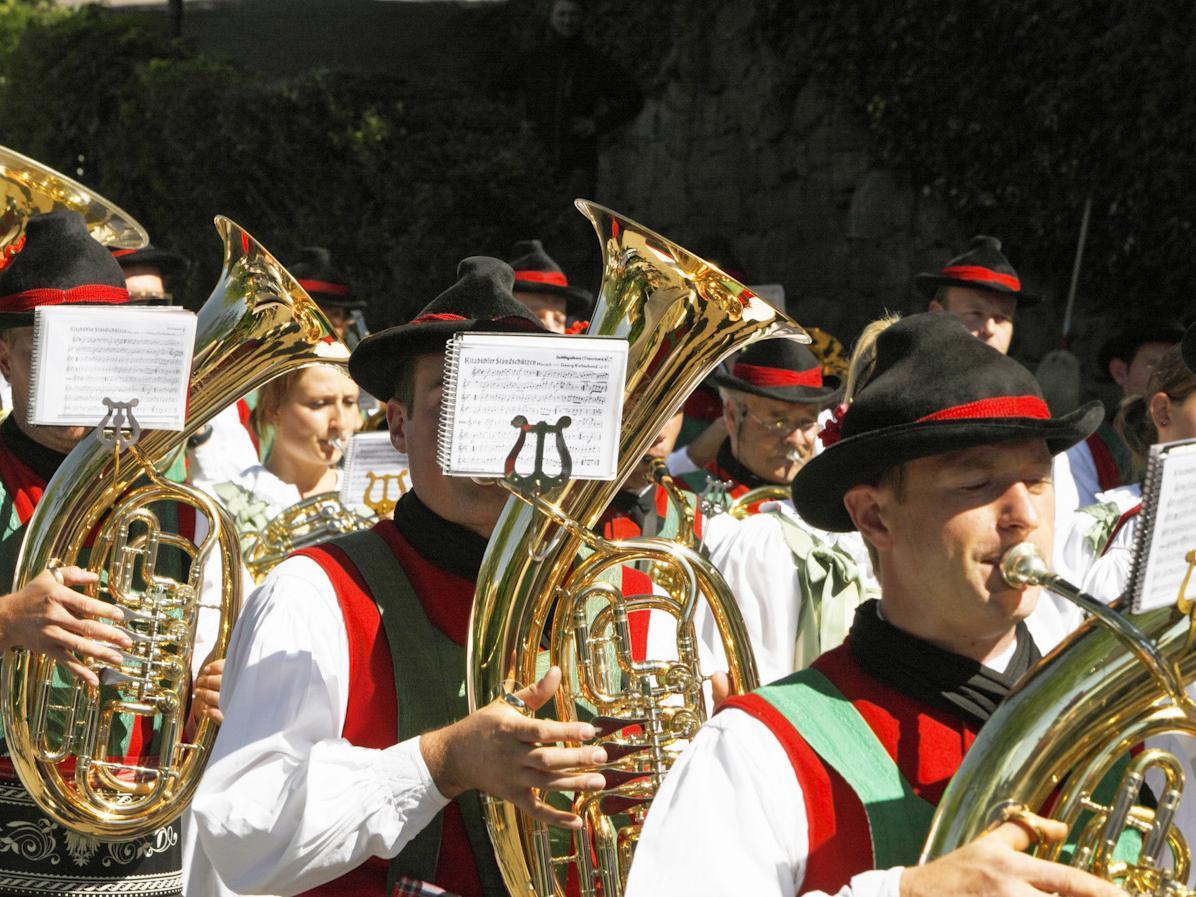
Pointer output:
25, 486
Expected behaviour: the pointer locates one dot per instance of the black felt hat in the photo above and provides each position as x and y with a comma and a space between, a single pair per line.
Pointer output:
934, 388
779, 369
1132, 335
536, 272
982, 267
480, 300
171, 264
59, 263
315, 273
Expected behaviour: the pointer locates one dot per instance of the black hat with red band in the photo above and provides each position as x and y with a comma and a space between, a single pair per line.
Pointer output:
779, 369
934, 388
171, 264
59, 264
982, 267
480, 300
536, 272
313, 269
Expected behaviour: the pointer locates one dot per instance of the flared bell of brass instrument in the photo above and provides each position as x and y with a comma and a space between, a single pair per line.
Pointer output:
100, 511
681, 316
1069, 727
28, 187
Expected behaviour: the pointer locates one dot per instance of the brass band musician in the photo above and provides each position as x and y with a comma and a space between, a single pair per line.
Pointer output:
60, 263
944, 461
347, 759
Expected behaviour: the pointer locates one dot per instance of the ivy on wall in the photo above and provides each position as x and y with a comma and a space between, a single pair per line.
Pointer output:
399, 178
1014, 112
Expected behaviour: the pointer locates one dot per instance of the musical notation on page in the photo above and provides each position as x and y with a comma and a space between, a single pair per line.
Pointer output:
84, 354
492, 379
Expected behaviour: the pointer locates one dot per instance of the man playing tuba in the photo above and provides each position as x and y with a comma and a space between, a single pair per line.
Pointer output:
347, 758
59, 263
825, 781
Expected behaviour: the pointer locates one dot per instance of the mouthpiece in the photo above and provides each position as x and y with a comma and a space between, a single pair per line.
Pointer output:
1023, 566
793, 456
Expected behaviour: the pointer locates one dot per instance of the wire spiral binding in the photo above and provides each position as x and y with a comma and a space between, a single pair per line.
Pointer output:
448, 402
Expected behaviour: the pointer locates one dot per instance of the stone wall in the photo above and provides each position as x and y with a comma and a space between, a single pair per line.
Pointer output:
727, 148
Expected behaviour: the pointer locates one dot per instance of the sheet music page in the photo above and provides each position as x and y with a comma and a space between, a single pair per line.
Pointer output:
541, 378
83, 354
1173, 534
374, 471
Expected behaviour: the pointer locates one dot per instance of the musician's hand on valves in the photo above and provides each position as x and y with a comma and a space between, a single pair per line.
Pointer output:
514, 756
49, 617
205, 696
993, 865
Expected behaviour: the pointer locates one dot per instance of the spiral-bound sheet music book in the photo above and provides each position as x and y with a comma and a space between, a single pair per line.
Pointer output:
492, 378
1167, 528
83, 354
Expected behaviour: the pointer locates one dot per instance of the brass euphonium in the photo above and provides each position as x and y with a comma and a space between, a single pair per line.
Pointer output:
310, 521
28, 188
1117, 681
681, 317
257, 324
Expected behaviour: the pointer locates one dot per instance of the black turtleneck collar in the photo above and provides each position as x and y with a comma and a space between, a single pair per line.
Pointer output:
452, 548
41, 460
921, 670
733, 468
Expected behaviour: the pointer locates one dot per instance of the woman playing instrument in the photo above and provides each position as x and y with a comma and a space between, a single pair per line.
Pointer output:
305, 417
1100, 542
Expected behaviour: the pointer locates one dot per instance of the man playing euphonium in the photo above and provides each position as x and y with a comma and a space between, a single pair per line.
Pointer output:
347, 756
60, 264
825, 782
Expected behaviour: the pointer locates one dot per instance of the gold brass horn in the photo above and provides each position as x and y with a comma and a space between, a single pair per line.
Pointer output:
1067, 728
315, 519
681, 317
28, 188
257, 324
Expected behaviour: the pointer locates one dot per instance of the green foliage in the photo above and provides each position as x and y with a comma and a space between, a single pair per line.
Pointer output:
399, 179
1013, 112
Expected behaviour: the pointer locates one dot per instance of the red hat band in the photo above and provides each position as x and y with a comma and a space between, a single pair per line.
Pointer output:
88, 293
1001, 406
982, 275
758, 375
324, 286
556, 278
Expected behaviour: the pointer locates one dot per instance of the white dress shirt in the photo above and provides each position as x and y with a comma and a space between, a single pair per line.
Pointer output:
758, 565
730, 817
225, 453
286, 803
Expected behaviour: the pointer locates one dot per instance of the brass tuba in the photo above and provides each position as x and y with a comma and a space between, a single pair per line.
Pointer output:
257, 324
1113, 683
681, 317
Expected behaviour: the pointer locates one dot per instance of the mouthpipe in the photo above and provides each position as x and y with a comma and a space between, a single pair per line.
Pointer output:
1023, 566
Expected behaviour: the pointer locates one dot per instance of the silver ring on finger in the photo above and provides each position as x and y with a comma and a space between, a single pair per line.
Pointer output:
55, 567
515, 701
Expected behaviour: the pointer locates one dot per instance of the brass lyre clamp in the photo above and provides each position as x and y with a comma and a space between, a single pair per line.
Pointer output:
538, 481
118, 429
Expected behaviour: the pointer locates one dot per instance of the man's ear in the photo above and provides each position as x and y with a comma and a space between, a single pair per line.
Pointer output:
935, 305
396, 422
1119, 370
865, 504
